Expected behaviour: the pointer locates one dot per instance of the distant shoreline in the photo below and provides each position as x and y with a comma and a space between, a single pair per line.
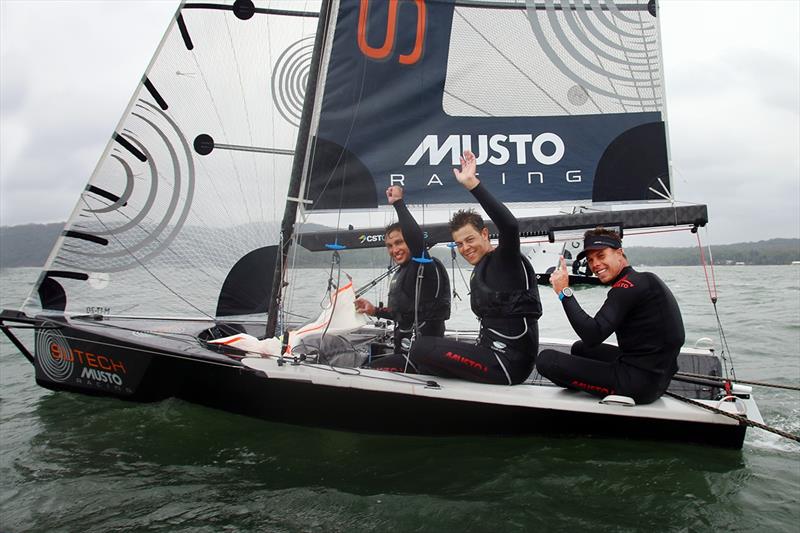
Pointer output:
29, 245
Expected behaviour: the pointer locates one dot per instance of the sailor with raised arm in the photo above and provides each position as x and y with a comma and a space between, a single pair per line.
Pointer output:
504, 296
639, 308
405, 242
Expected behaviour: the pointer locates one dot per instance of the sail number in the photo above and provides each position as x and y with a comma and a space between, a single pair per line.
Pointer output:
382, 52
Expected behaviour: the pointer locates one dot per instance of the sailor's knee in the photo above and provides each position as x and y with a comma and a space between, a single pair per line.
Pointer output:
577, 348
547, 360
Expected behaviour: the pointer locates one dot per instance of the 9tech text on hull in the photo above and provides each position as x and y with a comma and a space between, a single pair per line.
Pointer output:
199, 168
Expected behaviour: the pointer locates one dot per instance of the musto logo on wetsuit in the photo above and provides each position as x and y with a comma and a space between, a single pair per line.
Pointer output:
466, 361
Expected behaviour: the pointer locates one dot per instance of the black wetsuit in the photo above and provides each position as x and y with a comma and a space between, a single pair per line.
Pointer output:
506, 299
434, 297
646, 318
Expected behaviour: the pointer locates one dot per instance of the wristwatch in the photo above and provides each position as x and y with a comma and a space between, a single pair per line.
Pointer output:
566, 292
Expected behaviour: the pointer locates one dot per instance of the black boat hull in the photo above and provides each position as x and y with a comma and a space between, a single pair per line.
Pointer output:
96, 359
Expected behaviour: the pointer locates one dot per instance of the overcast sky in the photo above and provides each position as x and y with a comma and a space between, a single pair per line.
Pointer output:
68, 69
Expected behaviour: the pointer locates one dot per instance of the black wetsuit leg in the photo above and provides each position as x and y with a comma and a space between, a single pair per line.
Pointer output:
396, 362
473, 362
601, 352
598, 371
596, 377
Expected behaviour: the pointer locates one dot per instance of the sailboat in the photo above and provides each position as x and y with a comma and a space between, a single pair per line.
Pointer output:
255, 119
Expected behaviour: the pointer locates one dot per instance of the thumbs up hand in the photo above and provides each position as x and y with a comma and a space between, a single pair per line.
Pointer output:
559, 279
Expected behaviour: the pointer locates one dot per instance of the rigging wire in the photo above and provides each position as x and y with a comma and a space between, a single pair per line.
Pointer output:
291, 283
309, 156
452, 247
335, 260
415, 332
391, 269
454, 259
713, 296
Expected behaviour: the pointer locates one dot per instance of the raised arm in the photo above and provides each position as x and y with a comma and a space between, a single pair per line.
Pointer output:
506, 222
412, 233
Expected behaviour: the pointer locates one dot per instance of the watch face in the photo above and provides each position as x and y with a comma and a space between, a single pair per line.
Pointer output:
567, 292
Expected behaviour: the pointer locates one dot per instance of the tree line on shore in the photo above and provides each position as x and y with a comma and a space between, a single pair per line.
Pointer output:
29, 246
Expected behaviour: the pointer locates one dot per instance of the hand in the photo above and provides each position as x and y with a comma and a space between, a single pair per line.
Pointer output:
394, 193
365, 307
467, 176
559, 279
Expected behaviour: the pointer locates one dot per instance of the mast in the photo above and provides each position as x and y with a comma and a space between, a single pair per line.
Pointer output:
301, 148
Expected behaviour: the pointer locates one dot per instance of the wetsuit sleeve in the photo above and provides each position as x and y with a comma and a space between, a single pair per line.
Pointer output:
506, 222
595, 330
412, 233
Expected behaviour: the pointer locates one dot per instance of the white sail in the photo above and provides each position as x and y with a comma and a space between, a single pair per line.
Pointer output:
165, 217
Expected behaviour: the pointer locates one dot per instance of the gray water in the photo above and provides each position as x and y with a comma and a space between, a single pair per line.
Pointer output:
74, 463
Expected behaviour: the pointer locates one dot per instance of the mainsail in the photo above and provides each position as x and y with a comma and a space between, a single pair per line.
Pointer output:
194, 178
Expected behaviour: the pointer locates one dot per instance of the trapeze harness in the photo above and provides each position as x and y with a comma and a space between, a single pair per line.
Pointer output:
428, 305
434, 302
642, 311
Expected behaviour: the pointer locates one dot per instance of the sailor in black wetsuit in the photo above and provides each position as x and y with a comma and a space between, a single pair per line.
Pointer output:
639, 308
404, 242
503, 294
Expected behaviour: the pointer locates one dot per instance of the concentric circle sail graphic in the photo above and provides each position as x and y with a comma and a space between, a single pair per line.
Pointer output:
54, 355
289, 79
138, 200
610, 51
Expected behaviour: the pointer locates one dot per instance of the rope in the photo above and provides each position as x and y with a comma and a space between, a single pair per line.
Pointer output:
453, 269
337, 263
711, 260
712, 293
741, 419
415, 331
718, 378
369, 285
